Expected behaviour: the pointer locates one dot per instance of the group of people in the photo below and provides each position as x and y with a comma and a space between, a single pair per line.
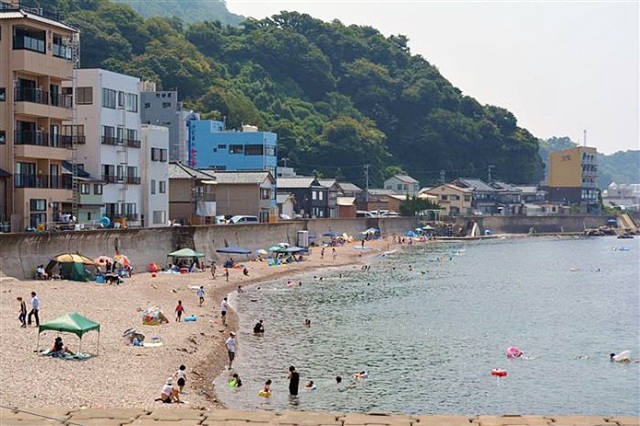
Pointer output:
170, 393
34, 313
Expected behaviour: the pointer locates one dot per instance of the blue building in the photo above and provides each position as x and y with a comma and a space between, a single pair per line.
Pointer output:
213, 147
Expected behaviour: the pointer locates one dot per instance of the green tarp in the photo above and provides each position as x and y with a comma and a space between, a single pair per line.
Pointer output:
70, 323
186, 252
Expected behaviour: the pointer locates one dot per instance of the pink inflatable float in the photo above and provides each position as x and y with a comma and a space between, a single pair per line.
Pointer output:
513, 352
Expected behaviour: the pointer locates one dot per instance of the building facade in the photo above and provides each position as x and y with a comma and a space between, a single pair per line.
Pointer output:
108, 115
37, 59
310, 196
572, 175
155, 176
402, 184
162, 108
454, 200
191, 195
212, 147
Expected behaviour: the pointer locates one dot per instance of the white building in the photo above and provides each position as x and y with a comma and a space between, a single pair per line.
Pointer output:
108, 114
155, 176
402, 184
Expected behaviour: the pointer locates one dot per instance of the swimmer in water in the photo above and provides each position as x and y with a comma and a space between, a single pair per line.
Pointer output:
338, 379
307, 322
360, 375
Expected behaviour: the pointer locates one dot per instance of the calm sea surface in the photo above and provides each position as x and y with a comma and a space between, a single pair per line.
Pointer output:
430, 337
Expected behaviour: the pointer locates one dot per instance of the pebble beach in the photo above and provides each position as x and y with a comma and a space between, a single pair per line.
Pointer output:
125, 376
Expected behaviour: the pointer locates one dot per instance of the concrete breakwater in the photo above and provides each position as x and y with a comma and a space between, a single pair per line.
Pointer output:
21, 253
540, 224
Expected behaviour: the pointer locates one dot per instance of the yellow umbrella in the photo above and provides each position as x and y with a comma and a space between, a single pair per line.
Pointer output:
73, 258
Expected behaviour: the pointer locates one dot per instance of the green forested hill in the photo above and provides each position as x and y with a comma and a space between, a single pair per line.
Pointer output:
621, 167
339, 97
187, 11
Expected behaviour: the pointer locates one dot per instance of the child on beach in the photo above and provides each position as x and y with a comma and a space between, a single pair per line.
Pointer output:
23, 312
266, 390
200, 294
179, 311
181, 376
235, 381
168, 394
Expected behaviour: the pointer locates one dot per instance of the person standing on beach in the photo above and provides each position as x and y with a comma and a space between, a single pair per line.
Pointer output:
224, 307
35, 308
258, 328
322, 253
231, 348
179, 311
181, 376
213, 270
294, 381
226, 274
200, 294
23, 312
334, 254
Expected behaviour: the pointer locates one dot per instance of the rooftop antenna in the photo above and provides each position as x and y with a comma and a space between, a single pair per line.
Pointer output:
584, 137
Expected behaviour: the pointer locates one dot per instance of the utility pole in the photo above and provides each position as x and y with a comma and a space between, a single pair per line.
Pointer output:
366, 181
442, 178
490, 169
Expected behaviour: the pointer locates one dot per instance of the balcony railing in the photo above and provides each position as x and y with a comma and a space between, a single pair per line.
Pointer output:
62, 51
133, 143
29, 94
109, 140
133, 180
68, 141
31, 137
24, 180
110, 178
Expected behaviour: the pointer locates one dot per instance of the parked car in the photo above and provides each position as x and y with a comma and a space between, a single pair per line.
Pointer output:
242, 219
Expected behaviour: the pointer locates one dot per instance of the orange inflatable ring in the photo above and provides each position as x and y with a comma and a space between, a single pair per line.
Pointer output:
498, 372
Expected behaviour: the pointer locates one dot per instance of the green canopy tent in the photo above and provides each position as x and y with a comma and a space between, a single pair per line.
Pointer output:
186, 253
70, 323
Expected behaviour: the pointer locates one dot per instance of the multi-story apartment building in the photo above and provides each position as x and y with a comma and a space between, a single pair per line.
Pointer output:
572, 175
35, 63
107, 114
162, 108
155, 176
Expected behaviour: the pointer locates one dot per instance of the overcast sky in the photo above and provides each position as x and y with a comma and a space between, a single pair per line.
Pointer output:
560, 67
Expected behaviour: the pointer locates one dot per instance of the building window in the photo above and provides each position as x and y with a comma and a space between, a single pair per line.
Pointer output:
320, 195
455, 197
29, 39
467, 197
60, 48
444, 197
147, 105
155, 154
253, 150
85, 189
38, 205
131, 102
313, 195
236, 149
270, 151
109, 98
121, 99
120, 173
163, 155
3, 137
97, 189
265, 194
84, 95
153, 187
222, 147
162, 187
166, 105
159, 217
3, 94
120, 134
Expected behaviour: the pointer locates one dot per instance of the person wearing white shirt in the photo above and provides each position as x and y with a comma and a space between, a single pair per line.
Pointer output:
224, 307
35, 308
231, 348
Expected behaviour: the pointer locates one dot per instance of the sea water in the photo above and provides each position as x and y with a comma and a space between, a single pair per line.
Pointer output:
430, 336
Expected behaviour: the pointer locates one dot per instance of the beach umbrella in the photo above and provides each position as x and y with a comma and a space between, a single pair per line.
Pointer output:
428, 228
284, 245
103, 260
410, 234
261, 251
122, 259
73, 258
274, 248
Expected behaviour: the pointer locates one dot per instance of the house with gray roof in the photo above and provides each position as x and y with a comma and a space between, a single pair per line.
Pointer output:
402, 184
310, 195
333, 190
348, 189
191, 195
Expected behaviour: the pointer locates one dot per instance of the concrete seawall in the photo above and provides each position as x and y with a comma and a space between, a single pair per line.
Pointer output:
21, 253
541, 224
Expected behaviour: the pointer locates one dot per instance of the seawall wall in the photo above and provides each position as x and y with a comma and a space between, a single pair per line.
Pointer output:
21, 253
541, 224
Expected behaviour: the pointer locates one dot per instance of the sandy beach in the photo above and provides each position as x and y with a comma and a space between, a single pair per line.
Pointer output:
128, 376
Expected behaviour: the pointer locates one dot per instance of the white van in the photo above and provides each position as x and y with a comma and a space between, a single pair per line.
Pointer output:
242, 219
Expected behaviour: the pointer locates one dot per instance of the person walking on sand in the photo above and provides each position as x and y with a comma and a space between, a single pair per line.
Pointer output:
23, 312
294, 381
224, 307
200, 294
322, 253
181, 376
231, 348
35, 308
226, 274
334, 253
213, 270
179, 311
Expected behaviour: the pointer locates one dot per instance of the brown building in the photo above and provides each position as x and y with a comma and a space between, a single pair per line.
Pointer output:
37, 57
454, 200
572, 175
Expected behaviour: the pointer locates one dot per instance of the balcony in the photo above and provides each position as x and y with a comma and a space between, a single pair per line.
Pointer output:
31, 137
24, 180
132, 143
28, 94
133, 180
110, 140
37, 102
68, 141
110, 178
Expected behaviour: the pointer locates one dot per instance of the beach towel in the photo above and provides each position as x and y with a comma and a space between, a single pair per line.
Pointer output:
66, 356
191, 318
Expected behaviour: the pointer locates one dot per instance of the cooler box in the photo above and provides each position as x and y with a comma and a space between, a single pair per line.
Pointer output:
303, 239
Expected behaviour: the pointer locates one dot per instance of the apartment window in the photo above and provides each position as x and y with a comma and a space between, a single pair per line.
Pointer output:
132, 135
3, 137
120, 173
153, 186
222, 147
132, 171
120, 134
131, 102
455, 197
109, 98
236, 149
253, 150
313, 195
3, 94
38, 205
163, 155
60, 48
97, 189
84, 95
444, 197
162, 187
147, 105
85, 189
159, 216
265, 194
166, 105
467, 197
320, 195
270, 151
121, 99
29, 39
155, 154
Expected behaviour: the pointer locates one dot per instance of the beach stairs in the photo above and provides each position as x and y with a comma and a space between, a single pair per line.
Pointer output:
626, 222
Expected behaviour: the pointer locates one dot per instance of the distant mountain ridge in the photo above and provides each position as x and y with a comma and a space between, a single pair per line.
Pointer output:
188, 11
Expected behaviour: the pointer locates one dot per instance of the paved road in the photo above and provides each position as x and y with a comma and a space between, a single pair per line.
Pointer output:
187, 417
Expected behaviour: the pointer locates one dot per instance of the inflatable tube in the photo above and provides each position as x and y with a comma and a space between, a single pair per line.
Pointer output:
498, 372
105, 222
623, 356
513, 352
190, 318
264, 394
